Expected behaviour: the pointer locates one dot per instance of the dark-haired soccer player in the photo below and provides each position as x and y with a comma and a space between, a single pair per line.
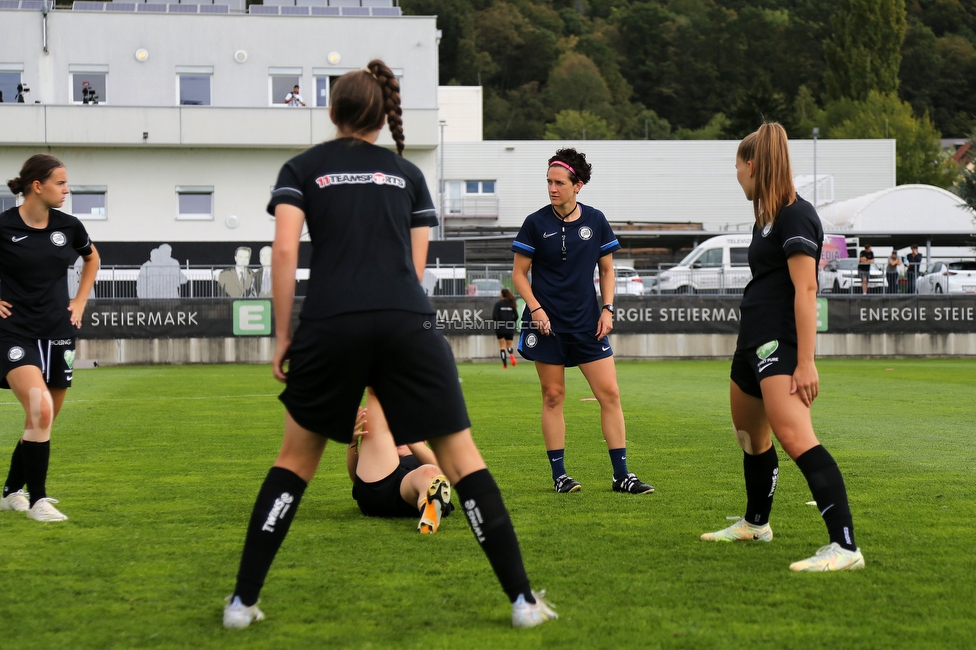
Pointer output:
563, 325
38, 243
774, 377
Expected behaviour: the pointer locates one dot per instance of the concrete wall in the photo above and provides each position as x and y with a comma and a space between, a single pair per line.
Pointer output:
461, 110
485, 348
659, 180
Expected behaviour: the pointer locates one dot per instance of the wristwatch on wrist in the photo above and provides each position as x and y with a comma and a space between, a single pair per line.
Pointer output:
609, 308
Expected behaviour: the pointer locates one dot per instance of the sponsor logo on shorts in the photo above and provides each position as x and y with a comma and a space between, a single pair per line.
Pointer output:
767, 349
377, 178
606, 347
58, 238
585, 233
531, 340
475, 518
62, 341
15, 353
281, 506
69, 359
767, 229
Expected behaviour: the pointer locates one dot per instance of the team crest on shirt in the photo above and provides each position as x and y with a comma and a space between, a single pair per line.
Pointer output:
767, 229
531, 340
585, 233
15, 353
58, 238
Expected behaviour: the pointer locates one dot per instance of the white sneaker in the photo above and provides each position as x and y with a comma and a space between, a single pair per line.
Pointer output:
832, 557
43, 510
526, 614
741, 531
15, 501
237, 616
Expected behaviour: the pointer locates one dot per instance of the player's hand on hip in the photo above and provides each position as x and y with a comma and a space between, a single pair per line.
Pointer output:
281, 354
5, 308
605, 325
806, 382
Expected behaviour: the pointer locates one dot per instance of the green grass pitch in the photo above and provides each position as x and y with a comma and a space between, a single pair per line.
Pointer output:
158, 467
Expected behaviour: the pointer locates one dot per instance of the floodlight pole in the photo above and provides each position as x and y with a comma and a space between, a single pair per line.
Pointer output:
816, 132
440, 227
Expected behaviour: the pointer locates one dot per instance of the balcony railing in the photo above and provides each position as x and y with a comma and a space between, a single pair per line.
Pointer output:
472, 207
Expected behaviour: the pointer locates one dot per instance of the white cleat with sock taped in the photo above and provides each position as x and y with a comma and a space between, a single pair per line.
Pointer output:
237, 615
44, 510
15, 501
526, 614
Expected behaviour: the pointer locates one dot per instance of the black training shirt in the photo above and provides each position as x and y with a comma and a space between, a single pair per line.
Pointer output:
34, 273
504, 316
564, 255
360, 202
768, 301
866, 266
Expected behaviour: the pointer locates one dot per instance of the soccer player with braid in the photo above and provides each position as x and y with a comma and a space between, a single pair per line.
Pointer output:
774, 377
366, 321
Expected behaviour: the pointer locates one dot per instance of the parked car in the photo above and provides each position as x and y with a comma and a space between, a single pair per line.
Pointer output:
485, 287
629, 283
717, 265
840, 276
949, 277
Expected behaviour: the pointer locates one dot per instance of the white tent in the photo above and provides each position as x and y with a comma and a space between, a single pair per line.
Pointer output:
901, 209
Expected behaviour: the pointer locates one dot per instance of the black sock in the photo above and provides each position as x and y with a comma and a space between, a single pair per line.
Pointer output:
761, 472
15, 478
504, 357
36, 457
492, 527
511, 351
274, 510
827, 485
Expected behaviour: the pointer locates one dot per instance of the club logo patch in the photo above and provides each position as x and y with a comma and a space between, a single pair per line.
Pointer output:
767, 229
763, 351
15, 353
585, 233
69, 358
531, 340
58, 238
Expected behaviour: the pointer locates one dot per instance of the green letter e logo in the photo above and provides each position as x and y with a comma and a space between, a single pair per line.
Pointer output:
252, 318
767, 349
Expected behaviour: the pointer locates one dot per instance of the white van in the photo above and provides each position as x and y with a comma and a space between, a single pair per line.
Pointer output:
717, 265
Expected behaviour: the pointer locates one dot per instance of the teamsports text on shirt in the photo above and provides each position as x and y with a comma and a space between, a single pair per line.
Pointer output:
378, 178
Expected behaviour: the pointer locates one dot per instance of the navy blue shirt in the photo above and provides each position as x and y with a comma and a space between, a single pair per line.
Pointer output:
564, 255
768, 301
360, 202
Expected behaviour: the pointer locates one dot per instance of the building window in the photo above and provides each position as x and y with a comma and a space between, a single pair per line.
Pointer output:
7, 200
323, 89
89, 84
88, 202
281, 82
325, 79
479, 187
195, 202
193, 85
10, 80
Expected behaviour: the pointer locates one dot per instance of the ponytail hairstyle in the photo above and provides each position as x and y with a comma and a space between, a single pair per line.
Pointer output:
362, 100
37, 168
767, 149
508, 297
575, 163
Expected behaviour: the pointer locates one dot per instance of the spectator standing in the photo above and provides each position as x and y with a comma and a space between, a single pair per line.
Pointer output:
891, 272
294, 98
864, 267
914, 260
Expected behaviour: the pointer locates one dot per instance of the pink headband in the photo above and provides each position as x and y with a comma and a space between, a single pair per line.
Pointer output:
562, 164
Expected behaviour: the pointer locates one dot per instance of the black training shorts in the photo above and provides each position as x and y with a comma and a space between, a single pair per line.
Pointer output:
382, 498
54, 357
400, 354
751, 365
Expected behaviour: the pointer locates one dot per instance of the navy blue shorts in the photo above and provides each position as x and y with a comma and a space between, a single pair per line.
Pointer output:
54, 357
382, 498
752, 365
567, 350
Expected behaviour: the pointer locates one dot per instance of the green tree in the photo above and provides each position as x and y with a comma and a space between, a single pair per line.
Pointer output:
712, 130
648, 125
761, 104
575, 84
919, 157
577, 125
966, 185
863, 53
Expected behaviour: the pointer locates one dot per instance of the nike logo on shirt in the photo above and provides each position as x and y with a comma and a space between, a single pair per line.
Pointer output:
547, 235
16, 239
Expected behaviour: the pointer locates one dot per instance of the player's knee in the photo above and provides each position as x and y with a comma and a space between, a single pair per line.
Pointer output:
553, 396
609, 396
744, 439
41, 409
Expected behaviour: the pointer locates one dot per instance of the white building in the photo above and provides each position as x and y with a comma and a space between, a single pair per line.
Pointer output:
190, 126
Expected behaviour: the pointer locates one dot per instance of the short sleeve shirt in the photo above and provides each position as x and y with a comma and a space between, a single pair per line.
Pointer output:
360, 202
868, 255
768, 301
564, 255
34, 273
